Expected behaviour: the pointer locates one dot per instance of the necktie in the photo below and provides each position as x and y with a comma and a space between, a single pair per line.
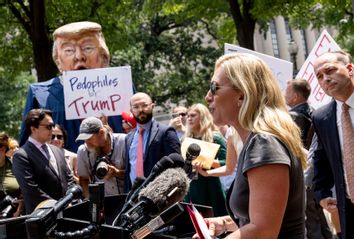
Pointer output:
46, 151
139, 154
51, 160
348, 146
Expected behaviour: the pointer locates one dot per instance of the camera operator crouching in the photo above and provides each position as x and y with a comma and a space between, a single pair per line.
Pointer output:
101, 157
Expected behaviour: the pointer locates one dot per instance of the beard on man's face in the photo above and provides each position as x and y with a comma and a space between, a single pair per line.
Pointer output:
94, 150
143, 117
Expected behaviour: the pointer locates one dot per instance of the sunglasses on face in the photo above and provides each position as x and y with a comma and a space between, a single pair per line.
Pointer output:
48, 126
182, 114
57, 136
213, 87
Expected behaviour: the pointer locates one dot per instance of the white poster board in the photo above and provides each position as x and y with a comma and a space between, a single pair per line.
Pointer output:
97, 91
325, 43
282, 69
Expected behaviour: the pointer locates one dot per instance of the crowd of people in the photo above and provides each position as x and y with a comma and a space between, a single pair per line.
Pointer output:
280, 164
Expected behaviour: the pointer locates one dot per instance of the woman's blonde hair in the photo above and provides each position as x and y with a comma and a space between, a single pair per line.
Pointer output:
207, 127
263, 109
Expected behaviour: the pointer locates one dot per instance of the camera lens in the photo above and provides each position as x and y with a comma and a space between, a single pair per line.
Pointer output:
101, 169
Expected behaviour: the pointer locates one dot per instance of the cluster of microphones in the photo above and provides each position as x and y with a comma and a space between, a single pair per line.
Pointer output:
154, 201
151, 203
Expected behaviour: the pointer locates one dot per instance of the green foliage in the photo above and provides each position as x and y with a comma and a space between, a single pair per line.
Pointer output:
171, 45
337, 14
12, 100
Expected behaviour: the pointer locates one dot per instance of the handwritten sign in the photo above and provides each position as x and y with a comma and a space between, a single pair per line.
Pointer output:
282, 70
325, 43
96, 91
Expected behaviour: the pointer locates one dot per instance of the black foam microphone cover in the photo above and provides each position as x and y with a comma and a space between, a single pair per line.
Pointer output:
193, 151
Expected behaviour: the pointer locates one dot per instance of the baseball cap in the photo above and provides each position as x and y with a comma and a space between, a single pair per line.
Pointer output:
129, 118
88, 127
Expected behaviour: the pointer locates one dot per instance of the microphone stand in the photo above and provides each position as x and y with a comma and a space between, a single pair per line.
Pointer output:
96, 199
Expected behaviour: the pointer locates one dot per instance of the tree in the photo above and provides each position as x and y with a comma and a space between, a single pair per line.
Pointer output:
171, 45
32, 17
168, 57
331, 13
11, 97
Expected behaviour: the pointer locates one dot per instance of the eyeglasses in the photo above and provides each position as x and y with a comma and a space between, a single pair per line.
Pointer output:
70, 50
213, 87
143, 106
57, 136
48, 126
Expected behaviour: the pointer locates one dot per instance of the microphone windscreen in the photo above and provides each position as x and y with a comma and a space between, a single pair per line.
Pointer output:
137, 182
177, 159
167, 188
162, 164
194, 150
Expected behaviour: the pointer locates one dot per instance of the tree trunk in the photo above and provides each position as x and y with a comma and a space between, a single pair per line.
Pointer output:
244, 23
41, 43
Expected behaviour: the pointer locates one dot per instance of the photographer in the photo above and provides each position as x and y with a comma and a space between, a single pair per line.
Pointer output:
101, 157
9, 188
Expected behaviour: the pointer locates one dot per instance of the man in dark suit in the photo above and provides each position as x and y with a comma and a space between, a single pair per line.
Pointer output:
40, 168
296, 95
334, 71
158, 140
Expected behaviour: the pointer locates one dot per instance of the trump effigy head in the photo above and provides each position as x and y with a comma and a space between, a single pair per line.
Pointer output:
80, 45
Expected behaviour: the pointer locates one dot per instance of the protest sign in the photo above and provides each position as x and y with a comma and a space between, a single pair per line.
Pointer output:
325, 43
282, 70
97, 91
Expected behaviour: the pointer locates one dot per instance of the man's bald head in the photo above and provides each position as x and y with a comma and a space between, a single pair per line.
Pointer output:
140, 95
141, 106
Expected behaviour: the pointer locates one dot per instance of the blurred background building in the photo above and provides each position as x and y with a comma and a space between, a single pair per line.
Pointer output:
289, 44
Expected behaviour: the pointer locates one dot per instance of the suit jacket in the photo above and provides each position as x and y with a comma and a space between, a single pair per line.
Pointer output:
328, 165
301, 114
50, 95
162, 141
37, 178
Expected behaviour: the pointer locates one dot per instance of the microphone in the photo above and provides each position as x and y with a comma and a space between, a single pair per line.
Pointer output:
43, 219
74, 192
177, 160
172, 161
192, 153
96, 209
162, 164
165, 190
136, 184
165, 217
